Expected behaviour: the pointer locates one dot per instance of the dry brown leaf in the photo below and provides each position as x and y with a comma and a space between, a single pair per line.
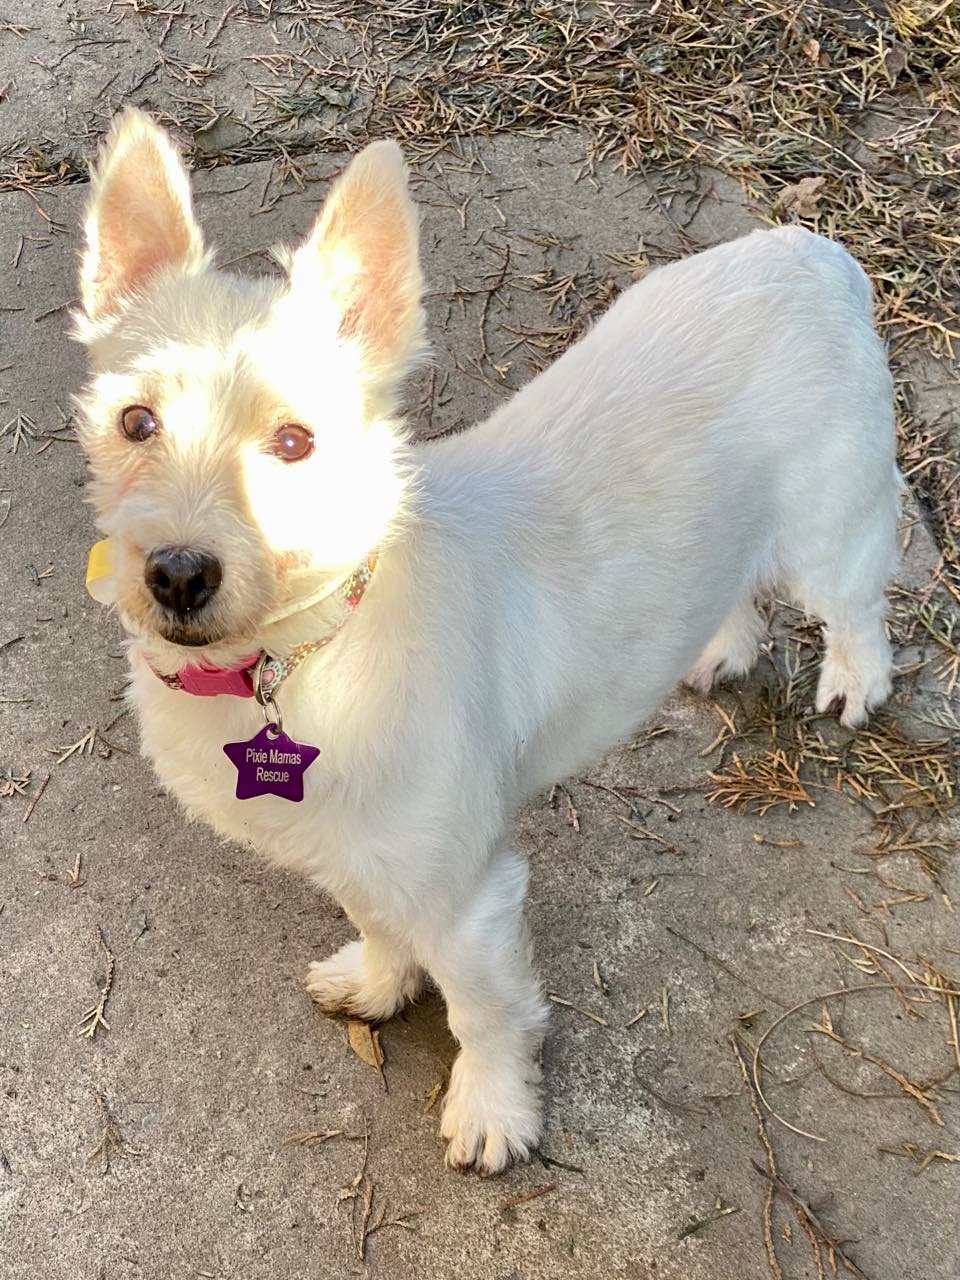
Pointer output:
895, 62
814, 52
365, 1043
802, 197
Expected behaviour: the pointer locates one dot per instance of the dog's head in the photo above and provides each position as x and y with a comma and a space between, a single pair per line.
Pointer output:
240, 433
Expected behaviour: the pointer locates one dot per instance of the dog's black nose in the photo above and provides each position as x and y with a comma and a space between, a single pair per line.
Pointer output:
182, 578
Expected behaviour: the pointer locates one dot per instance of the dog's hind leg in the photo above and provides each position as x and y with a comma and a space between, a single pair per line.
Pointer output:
844, 585
732, 651
857, 665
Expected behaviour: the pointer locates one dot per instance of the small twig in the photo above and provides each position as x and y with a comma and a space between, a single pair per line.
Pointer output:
644, 833
93, 1019
365, 1213
573, 816
921, 1158
568, 1004
33, 803
684, 1108
83, 746
803, 1004
401, 1220
708, 955
514, 1201
221, 24
74, 875
624, 798
905, 1083
315, 1137
804, 1211
767, 1218
720, 1210
52, 311
550, 1163
855, 942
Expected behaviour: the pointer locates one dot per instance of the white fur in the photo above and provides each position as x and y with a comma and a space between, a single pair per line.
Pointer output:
548, 578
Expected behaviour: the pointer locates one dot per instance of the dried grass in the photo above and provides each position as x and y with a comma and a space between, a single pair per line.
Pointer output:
853, 103
767, 780
776, 752
837, 116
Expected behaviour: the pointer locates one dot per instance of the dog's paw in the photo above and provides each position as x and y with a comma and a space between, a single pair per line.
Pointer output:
491, 1117
732, 652
858, 688
354, 984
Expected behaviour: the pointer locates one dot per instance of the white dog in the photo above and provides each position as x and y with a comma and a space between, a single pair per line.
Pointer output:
531, 589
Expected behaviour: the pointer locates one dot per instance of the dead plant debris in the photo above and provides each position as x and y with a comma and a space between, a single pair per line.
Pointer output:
760, 783
35, 800
776, 752
819, 1237
93, 1019
922, 1096
923, 992
515, 1201
585, 1013
572, 813
364, 1040
111, 1143
312, 1138
923, 1157
13, 782
362, 1194
719, 1210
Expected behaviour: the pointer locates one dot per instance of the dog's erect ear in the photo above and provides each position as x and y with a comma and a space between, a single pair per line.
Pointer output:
362, 253
139, 218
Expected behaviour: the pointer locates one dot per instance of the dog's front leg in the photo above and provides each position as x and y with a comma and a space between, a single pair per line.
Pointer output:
482, 963
371, 978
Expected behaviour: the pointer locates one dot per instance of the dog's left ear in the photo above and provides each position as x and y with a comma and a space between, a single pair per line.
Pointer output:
363, 255
140, 217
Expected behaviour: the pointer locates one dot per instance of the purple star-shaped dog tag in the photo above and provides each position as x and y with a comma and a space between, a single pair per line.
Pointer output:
271, 764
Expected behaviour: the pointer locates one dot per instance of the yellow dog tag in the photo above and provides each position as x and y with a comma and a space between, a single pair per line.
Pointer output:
100, 583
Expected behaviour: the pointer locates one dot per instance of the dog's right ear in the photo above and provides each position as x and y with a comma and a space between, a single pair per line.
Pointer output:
140, 217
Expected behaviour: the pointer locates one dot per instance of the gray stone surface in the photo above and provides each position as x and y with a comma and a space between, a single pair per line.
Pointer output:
214, 1055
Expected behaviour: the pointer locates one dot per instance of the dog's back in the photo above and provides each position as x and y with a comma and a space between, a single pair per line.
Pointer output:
728, 423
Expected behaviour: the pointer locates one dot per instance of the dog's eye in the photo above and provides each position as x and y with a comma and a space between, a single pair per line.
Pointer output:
292, 443
138, 423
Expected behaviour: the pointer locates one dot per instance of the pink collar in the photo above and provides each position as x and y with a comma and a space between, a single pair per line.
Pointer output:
259, 673
205, 681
